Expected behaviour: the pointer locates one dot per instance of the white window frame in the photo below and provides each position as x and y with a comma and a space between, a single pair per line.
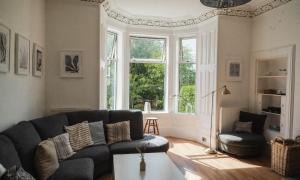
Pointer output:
164, 61
115, 60
181, 61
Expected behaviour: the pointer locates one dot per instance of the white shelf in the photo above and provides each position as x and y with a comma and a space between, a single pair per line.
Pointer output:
263, 77
266, 112
276, 95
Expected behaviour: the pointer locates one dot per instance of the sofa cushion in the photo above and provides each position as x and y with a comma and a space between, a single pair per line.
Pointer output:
118, 132
153, 144
235, 138
258, 121
79, 135
90, 116
135, 118
50, 126
97, 153
8, 153
76, 169
26, 139
97, 132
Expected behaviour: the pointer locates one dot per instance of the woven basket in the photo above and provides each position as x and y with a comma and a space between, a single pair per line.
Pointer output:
286, 156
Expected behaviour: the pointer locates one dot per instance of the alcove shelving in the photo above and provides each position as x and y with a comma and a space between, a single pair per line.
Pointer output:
273, 90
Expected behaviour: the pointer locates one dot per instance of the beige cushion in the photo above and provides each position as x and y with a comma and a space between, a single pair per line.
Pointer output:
80, 135
46, 160
243, 127
118, 132
63, 146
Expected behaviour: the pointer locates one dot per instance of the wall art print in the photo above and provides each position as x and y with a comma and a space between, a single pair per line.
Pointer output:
71, 64
22, 56
234, 70
37, 60
4, 48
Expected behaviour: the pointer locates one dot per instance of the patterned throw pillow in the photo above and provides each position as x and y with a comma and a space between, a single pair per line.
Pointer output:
243, 127
80, 135
46, 160
17, 173
2, 170
118, 132
97, 132
62, 146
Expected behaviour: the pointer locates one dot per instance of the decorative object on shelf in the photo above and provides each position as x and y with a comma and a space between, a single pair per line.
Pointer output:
286, 156
22, 56
270, 91
37, 60
282, 71
224, 92
4, 48
71, 64
142, 162
147, 107
234, 70
223, 3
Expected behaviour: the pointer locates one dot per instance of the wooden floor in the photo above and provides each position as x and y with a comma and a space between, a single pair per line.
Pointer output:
190, 158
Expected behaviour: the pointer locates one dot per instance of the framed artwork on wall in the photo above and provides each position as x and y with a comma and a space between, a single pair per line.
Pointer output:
22, 55
71, 64
4, 48
37, 60
234, 70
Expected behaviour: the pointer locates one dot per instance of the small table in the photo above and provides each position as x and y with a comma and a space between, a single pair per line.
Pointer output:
151, 122
158, 167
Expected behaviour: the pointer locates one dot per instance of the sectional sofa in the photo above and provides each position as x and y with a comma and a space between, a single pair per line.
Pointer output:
18, 143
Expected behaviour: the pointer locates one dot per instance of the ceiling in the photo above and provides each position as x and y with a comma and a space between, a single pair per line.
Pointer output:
173, 9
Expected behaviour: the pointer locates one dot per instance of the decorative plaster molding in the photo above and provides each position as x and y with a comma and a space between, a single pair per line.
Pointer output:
156, 22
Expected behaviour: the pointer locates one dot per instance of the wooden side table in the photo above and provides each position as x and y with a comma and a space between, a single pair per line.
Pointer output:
151, 122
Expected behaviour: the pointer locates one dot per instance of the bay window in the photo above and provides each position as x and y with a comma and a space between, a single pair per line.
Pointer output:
111, 69
186, 75
147, 72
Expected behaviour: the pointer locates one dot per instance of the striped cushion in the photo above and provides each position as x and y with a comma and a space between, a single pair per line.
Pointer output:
46, 161
97, 132
63, 146
118, 132
80, 135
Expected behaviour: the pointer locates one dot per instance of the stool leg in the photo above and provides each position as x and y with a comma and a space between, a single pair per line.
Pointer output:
145, 126
154, 129
149, 126
156, 125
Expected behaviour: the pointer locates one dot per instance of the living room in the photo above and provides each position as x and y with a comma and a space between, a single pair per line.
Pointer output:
184, 72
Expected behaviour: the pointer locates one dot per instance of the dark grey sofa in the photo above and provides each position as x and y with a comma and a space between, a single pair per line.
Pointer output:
18, 143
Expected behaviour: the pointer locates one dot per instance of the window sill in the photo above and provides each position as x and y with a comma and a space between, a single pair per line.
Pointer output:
155, 112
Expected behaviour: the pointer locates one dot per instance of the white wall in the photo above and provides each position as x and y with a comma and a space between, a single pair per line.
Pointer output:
22, 97
277, 28
72, 25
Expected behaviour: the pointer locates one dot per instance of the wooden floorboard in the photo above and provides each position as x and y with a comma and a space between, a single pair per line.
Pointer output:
190, 158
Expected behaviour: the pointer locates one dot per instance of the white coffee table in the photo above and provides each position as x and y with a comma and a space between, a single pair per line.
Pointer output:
158, 167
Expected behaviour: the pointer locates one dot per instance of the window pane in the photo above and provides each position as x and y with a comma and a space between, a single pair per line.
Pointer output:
147, 48
188, 50
111, 44
187, 77
147, 84
111, 84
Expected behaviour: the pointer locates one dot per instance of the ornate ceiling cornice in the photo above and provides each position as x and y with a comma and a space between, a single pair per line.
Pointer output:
156, 22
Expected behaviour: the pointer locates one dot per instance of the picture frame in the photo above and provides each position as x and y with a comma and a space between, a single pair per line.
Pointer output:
5, 38
22, 55
71, 64
234, 70
37, 60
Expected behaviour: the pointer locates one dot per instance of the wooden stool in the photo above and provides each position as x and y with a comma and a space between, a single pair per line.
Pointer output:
151, 122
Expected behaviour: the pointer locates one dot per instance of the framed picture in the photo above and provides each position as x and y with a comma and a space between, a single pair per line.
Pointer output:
22, 56
71, 64
4, 48
37, 60
234, 70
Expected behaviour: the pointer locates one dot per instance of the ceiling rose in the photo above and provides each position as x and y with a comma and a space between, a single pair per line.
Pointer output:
223, 3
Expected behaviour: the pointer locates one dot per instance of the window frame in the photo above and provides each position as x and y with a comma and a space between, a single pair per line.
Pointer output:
114, 60
164, 61
177, 83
